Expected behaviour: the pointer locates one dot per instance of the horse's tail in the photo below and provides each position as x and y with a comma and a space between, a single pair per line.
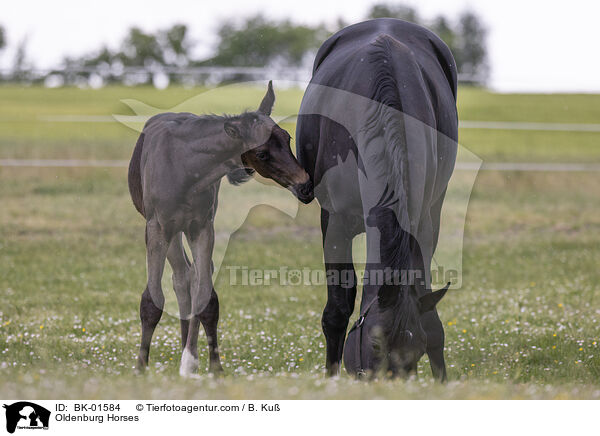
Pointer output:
135, 176
388, 121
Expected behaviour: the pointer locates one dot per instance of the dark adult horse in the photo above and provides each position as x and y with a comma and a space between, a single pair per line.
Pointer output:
377, 133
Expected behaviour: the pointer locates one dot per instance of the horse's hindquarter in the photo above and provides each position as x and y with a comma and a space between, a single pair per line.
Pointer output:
365, 60
174, 178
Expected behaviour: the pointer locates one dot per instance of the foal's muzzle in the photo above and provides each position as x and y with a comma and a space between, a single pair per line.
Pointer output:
304, 192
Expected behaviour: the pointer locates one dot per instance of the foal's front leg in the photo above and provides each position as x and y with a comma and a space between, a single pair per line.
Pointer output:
201, 241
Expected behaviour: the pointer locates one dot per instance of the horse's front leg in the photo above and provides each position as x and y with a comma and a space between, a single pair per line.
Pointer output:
435, 344
209, 319
201, 239
341, 287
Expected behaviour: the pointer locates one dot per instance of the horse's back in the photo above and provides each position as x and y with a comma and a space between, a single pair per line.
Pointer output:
422, 65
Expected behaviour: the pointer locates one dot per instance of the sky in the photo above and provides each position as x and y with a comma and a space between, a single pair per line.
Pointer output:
536, 46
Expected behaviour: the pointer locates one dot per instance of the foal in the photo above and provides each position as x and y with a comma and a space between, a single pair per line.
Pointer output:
174, 178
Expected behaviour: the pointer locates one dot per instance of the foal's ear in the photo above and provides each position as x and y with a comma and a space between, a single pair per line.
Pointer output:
428, 302
232, 130
268, 100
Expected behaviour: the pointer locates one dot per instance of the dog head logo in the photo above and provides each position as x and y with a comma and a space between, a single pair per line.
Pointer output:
26, 415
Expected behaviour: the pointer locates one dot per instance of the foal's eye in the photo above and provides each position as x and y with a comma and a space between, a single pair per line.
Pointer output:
262, 155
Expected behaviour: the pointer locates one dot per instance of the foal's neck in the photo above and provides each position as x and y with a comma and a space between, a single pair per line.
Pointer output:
220, 155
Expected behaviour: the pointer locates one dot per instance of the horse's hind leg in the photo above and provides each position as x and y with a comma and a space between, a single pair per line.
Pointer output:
201, 241
337, 251
153, 300
181, 283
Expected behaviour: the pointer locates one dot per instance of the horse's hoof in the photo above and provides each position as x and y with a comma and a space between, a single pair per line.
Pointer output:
216, 370
140, 367
189, 364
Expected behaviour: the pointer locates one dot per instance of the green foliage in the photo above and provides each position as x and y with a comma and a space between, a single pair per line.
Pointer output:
141, 49
258, 42
469, 45
169, 46
383, 10
176, 44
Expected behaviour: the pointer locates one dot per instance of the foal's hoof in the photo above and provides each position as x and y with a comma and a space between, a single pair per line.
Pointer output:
189, 365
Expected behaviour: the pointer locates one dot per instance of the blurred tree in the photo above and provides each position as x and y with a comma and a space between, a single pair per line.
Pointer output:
141, 49
470, 48
2, 37
341, 23
384, 10
166, 47
176, 45
260, 42
442, 28
21, 68
104, 56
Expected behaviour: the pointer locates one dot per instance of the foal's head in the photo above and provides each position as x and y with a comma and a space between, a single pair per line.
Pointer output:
268, 148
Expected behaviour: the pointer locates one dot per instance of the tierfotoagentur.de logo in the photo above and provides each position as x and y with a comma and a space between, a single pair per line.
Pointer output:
26, 415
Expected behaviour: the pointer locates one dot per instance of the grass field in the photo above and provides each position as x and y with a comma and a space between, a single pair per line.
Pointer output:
72, 266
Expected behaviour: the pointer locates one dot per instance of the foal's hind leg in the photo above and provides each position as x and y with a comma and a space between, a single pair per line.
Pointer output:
153, 300
181, 283
201, 242
209, 317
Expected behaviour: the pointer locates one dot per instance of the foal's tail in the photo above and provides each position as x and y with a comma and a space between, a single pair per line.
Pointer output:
135, 176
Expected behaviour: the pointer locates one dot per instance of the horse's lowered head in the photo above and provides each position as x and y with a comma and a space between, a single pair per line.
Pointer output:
399, 338
267, 148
